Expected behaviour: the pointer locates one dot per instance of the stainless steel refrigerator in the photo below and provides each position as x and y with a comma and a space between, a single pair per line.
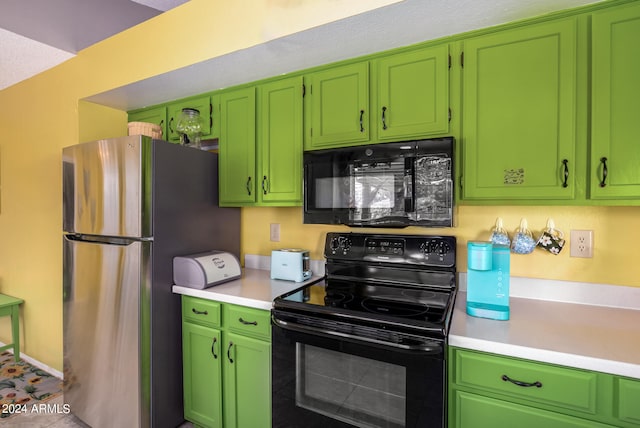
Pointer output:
130, 205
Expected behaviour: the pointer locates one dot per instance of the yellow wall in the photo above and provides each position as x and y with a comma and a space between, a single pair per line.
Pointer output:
616, 236
40, 116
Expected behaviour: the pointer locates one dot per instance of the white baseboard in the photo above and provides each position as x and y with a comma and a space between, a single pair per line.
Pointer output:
38, 364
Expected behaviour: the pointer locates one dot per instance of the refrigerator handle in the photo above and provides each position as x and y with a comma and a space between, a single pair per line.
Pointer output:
108, 240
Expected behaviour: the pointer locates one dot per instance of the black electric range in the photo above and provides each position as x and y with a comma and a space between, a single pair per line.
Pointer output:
394, 283
366, 346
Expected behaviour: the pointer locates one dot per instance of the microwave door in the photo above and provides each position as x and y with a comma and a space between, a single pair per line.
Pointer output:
379, 193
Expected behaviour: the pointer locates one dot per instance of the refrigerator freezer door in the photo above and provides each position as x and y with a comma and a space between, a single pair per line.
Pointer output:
107, 187
103, 312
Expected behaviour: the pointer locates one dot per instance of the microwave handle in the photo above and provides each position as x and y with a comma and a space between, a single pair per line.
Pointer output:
409, 184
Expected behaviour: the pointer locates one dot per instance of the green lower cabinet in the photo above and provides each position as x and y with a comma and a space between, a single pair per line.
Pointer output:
477, 411
627, 392
247, 395
495, 391
226, 365
202, 372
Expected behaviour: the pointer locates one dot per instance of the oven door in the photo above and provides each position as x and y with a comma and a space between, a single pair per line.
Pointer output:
324, 379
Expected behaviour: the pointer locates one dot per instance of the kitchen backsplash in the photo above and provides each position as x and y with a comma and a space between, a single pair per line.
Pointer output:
615, 238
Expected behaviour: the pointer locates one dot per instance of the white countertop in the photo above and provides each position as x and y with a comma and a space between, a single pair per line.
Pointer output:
254, 289
557, 322
598, 338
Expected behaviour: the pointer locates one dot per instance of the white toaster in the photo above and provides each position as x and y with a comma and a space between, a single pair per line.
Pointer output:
290, 264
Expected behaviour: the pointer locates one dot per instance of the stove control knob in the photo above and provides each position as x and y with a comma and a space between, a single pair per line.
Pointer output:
441, 247
346, 245
334, 244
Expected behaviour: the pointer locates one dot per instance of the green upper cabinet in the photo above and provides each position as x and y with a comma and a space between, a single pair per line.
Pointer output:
413, 94
261, 147
615, 124
237, 147
203, 104
339, 110
156, 115
519, 113
280, 142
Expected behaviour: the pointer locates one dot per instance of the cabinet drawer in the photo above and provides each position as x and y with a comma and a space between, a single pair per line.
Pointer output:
249, 321
564, 387
201, 311
628, 393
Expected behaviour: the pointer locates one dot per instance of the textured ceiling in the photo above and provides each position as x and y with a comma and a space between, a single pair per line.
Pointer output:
38, 34
400, 24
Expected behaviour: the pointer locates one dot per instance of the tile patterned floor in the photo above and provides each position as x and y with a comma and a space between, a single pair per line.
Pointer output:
52, 420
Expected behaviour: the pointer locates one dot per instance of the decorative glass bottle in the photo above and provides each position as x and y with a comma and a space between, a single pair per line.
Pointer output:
190, 128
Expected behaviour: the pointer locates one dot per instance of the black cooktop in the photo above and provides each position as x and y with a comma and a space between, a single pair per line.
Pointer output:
401, 283
408, 303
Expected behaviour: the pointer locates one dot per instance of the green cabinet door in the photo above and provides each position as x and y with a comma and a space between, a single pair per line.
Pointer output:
627, 392
237, 148
215, 120
201, 347
247, 382
413, 94
174, 110
615, 125
280, 142
519, 113
339, 106
477, 411
157, 115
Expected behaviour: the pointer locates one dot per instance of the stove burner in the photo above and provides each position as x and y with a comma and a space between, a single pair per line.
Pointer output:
337, 299
394, 307
419, 294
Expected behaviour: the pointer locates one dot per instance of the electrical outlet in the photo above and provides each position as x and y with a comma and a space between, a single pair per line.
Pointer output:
581, 243
274, 232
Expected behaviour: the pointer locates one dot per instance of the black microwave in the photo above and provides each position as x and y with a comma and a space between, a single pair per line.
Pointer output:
409, 183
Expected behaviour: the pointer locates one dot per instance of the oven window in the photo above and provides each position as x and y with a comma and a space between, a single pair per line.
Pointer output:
352, 389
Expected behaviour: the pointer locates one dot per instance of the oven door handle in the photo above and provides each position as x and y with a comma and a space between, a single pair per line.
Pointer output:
320, 331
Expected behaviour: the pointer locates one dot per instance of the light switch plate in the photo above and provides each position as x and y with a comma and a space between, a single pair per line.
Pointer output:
274, 232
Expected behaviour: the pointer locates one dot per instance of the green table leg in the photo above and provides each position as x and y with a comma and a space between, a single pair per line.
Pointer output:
10, 306
15, 331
